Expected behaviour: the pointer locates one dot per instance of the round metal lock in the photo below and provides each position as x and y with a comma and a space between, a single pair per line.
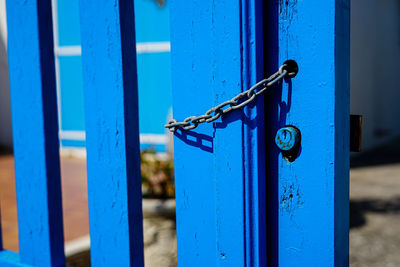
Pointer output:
287, 138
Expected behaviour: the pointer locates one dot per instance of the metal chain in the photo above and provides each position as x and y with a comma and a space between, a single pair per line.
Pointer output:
237, 102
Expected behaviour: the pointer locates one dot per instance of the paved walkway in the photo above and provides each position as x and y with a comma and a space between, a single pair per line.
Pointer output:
75, 210
375, 216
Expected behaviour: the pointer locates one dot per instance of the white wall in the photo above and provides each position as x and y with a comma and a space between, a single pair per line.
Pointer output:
375, 69
5, 114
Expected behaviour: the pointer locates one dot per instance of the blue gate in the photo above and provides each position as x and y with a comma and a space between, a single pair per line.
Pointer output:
240, 200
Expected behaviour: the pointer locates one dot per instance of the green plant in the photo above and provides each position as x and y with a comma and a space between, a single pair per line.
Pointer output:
157, 175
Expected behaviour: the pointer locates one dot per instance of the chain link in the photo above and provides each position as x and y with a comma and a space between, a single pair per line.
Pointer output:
237, 102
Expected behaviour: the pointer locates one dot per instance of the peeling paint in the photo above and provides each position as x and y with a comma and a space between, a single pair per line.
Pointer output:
287, 9
291, 197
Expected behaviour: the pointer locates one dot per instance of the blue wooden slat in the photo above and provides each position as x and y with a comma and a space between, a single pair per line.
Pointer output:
215, 50
10, 259
310, 197
35, 132
1, 234
111, 111
254, 134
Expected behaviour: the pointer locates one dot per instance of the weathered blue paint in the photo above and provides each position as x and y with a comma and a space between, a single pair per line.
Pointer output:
309, 201
287, 138
35, 132
1, 235
111, 111
253, 134
217, 53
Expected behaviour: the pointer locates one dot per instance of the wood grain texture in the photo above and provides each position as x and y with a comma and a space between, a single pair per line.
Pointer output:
309, 198
35, 132
112, 131
216, 54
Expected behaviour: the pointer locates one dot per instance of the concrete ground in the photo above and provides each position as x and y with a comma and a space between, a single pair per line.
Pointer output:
375, 207
375, 216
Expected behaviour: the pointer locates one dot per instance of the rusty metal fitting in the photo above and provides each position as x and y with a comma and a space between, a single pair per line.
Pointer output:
287, 138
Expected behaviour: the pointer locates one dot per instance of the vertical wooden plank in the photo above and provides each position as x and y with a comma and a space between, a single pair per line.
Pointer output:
11, 259
35, 132
310, 196
216, 46
254, 134
111, 110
